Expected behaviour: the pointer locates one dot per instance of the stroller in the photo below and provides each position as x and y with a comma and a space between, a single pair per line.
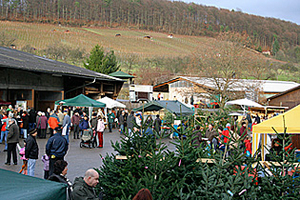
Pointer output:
88, 138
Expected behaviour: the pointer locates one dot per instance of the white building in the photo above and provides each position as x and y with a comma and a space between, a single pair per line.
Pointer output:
186, 89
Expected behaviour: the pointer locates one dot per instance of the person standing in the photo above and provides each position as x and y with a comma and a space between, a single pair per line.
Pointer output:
122, 121
84, 187
25, 122
100, 129
94, 122
243, 130
197, 137
130, 122
60, 116
212, 135
42, 123
31, 151
66, 125
53, 122
84, 124
4, 130
38, 128
157, 124
32, 118
12, 140
75, 122
48, 113
45, 160
111, 117
56, 148
158, 96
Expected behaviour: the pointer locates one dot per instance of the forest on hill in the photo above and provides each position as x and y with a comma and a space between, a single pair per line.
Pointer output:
157, 15
52, 27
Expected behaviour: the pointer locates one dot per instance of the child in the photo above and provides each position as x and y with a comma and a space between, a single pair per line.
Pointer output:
248, 145
45, 160
22, 154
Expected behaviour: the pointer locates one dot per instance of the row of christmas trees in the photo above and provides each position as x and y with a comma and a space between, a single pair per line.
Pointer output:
183, 174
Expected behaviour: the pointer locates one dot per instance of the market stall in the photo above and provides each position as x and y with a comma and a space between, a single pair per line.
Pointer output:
110, 103
175, 107
244, 103
20, 186
260, 131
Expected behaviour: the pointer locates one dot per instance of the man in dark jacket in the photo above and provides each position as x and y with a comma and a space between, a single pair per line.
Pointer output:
130, 122
212, 135
198, 137
157, 124
32, 118
12, 140
56, 148
75, 122
122, 122
31, 151
111, 117
84, 187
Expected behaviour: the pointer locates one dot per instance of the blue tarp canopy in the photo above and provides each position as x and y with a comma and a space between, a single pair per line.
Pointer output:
175, 107
18, 186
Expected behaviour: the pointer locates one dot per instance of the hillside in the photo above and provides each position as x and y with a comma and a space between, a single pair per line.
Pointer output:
157, 15
153, 60
40, 36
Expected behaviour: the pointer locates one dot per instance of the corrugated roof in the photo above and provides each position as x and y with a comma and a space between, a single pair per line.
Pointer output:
285, 92
172, 106
267, 86
14, 59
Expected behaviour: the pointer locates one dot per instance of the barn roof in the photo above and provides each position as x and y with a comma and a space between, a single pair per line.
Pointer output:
14, 59
285, 92
267, 86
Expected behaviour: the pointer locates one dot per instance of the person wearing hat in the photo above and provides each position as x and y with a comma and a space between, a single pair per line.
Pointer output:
56, 148
31, 151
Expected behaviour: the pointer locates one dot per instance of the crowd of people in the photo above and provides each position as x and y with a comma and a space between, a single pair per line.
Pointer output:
19, 125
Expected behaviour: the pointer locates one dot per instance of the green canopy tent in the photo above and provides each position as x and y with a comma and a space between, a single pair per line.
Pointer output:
82, 101
19, 186
175, 107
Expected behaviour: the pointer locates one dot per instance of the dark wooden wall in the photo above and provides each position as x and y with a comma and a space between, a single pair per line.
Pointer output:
290, 99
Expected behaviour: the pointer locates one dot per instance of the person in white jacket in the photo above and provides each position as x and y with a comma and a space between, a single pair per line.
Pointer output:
100, 130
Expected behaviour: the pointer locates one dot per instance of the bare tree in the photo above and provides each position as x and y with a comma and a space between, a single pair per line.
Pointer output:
7, 39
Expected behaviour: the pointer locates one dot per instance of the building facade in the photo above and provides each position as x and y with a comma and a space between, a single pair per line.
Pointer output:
39, 81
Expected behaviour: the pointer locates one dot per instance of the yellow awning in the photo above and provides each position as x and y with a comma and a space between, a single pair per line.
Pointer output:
260, 131
292, 123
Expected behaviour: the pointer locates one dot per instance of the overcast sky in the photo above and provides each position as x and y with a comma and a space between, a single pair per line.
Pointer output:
288, 10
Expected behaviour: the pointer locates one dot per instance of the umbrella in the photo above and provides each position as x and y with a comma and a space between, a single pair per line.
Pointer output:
243, 103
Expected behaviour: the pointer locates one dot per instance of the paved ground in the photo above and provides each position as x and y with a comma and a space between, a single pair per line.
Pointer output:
79, 159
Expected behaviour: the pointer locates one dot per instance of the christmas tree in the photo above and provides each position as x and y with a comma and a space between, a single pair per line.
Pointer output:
192, 172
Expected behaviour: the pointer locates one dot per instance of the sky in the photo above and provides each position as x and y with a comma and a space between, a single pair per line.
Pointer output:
288, 10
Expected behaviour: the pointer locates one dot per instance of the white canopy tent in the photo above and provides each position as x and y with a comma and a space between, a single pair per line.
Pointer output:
243, 103
110, 103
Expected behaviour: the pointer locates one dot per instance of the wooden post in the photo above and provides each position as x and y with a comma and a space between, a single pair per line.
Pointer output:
32, 98
62, 95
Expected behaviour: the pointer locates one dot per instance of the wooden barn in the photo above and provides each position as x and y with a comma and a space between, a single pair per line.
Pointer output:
289, 98
41, 81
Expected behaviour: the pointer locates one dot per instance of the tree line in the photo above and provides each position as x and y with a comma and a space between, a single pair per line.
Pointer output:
157, 15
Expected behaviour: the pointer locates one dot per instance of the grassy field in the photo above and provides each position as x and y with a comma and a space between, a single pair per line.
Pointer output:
131, 41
